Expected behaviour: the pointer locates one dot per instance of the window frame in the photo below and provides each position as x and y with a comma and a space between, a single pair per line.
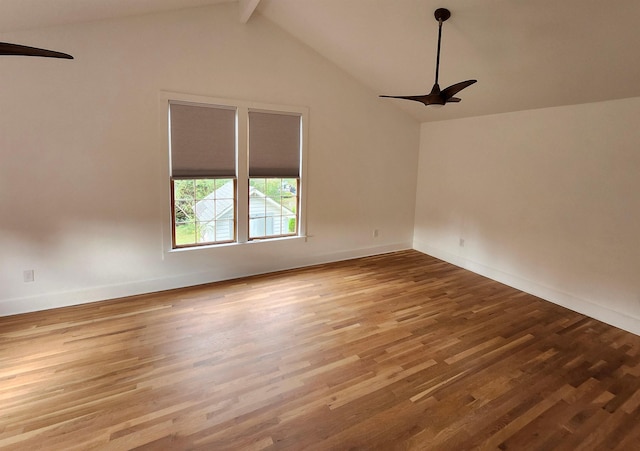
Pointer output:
242, 108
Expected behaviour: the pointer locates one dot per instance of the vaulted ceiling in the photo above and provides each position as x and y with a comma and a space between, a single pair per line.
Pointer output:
524, 54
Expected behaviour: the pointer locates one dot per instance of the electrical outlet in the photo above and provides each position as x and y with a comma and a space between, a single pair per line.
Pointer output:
28, 275
375, 233
461, 243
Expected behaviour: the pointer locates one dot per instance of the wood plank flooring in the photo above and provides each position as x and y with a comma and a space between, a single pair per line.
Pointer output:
397, 351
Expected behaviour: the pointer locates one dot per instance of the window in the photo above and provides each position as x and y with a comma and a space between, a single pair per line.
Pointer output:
235, 171
274, 171
203, 173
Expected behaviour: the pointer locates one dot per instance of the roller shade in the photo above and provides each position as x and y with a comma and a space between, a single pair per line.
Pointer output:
274, 144
203, 141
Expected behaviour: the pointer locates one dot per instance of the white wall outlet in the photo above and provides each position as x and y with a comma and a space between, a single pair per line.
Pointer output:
461, 242
375, 233
28, 275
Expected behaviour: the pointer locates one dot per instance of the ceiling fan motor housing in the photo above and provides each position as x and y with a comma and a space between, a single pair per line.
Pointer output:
442, 14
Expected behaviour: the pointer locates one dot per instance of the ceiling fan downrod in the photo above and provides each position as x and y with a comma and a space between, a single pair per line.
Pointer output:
441, 15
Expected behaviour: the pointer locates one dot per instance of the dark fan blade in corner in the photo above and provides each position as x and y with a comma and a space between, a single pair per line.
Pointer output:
452, 90
23, 50
416, 98
436, 96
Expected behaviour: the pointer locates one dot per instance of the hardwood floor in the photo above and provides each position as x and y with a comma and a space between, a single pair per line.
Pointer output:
398, 351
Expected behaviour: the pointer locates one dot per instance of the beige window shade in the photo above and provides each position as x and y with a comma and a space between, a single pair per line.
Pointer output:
203, 141
274, 144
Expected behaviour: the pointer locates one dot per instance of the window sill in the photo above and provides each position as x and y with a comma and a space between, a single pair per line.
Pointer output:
255, 242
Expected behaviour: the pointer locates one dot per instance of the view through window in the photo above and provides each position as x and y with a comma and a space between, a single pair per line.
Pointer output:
273, 206
204, 211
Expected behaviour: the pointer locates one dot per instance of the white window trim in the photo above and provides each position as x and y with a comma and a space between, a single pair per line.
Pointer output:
242, 166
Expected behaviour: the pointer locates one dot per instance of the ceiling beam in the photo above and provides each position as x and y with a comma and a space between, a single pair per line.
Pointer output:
247, 7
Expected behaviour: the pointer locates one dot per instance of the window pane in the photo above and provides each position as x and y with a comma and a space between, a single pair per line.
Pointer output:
257, 206
272, 207
269, 225
289, 224
290, 185
184, 210
290, 203
220, 182
205, 232
185, 233
256, 227
273, 189
258, 184
204, 188
200, 205
205, 210
184, 189
224, 230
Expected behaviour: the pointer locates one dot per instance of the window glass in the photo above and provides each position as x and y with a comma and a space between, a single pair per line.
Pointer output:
204, 211
273, 206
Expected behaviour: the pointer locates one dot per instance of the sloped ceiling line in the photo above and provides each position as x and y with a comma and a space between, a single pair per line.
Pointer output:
247, 8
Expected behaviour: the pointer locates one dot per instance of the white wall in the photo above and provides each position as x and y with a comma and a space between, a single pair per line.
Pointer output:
546, 200
81, 184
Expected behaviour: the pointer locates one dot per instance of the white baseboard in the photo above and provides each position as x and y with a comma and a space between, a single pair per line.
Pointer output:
14, 306
567, 300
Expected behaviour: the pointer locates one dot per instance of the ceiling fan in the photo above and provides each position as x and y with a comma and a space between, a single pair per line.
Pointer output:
23, 50
436, 96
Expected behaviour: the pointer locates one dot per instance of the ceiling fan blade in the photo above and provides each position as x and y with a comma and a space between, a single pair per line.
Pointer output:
453, 100
454, 89
433, 98
414, 98
23, 50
